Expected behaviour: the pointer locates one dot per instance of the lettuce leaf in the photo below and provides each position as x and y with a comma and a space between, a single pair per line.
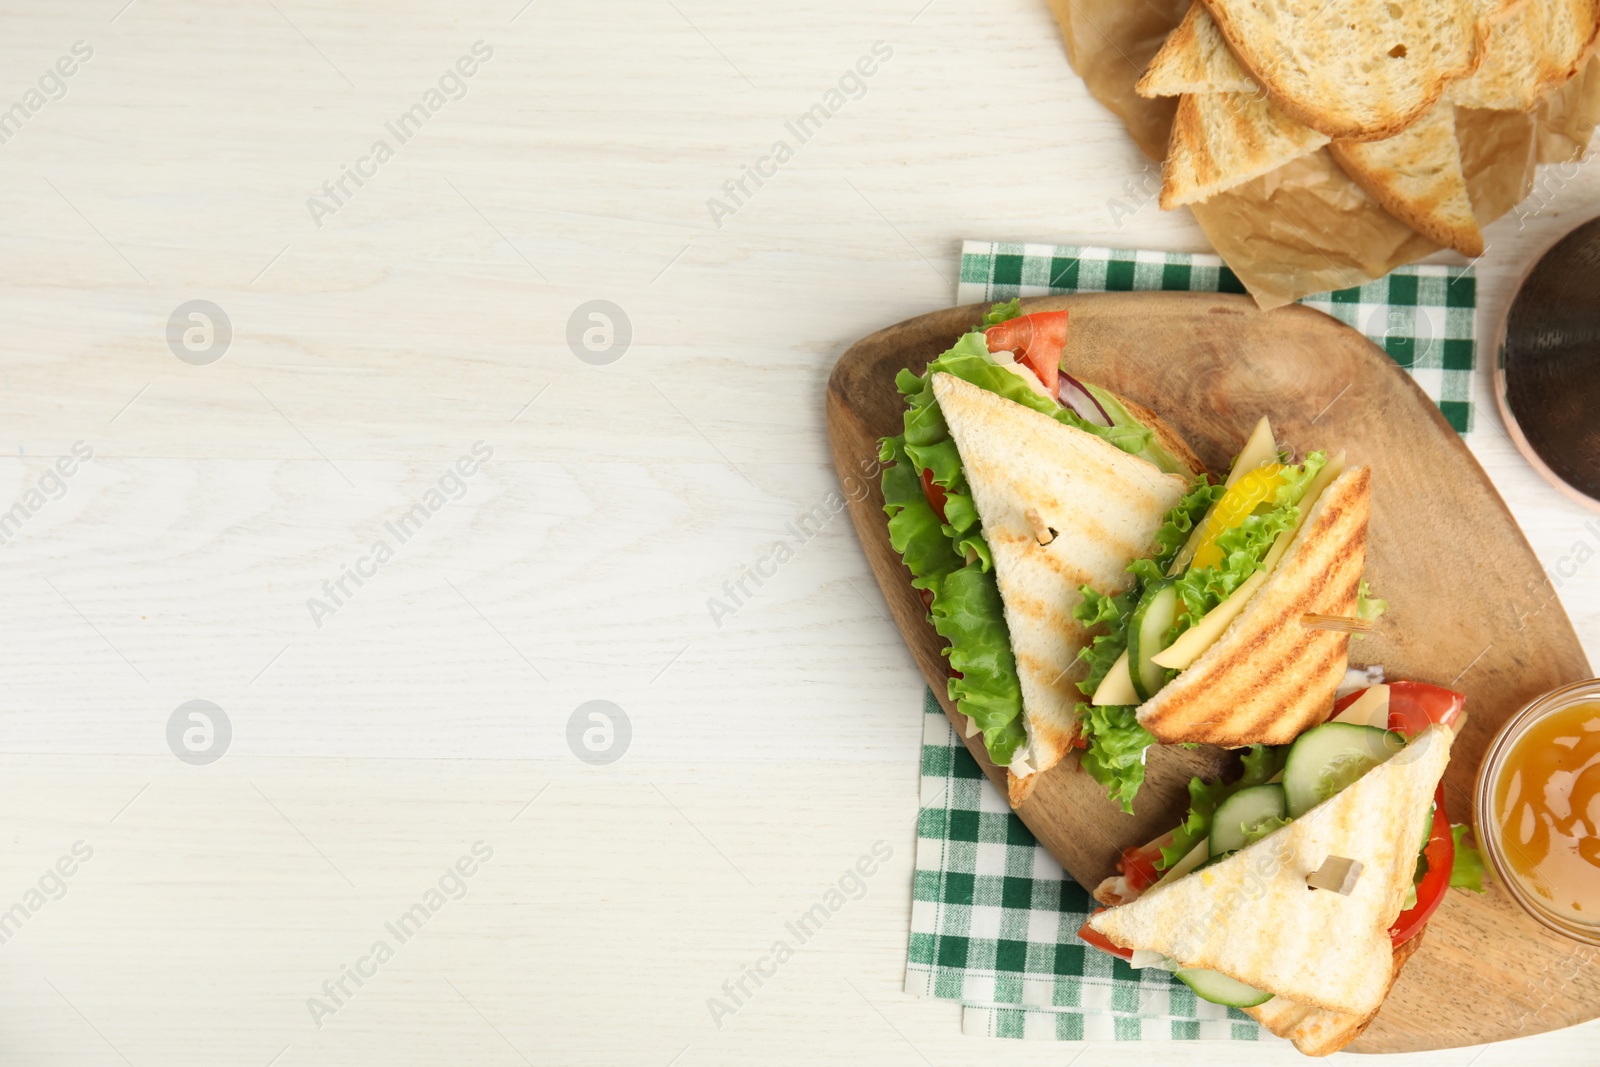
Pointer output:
1261, 763
1262, 829
1181, 520
914, 527
1196, 826
1116, 752
1116, 742
1153, 450
1296, 480
1102, 652
1368, 606
1467, 872
967, 612
1011, 309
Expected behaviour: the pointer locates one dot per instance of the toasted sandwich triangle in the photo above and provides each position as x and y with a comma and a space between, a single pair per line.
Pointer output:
1316, 1032
1253, 918
1105, 507
1220, 140
1194, 59
1269, 676
1416, 176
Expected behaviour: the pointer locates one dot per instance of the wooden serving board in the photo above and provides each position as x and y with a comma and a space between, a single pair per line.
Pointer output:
1470, 606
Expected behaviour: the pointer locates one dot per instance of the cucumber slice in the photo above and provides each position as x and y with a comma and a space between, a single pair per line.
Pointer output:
1147, 637
1329, 757
1220, 989
1243, 812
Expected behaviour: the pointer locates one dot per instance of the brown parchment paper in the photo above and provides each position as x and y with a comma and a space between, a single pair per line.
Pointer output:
1306, 227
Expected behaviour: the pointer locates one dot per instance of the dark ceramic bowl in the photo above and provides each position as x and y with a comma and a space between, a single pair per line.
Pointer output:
1547, 378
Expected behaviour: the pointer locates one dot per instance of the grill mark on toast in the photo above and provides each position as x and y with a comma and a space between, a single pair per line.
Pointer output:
1298, 668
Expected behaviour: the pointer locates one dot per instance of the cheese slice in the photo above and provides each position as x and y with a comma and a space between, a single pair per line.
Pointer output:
1193, 642
1370, 709
1258, 451
1117, 686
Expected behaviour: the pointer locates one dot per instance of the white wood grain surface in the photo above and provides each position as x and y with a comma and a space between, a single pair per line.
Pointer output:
428, 313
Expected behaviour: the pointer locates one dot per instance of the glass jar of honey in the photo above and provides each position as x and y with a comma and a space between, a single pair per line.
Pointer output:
1537, 809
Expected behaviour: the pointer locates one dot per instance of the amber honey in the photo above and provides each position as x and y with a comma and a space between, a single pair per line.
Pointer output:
1547, 810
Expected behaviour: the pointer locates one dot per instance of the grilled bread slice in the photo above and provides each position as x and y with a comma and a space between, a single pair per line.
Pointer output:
1508, 77
1571, 33
1269, 677
1540, 46
1220, 140
1252, 917
1031, 475
1320, 1033
1353, 69
1195, 59
1416, 176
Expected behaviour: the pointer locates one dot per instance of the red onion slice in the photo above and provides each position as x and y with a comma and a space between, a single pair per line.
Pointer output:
1080, 400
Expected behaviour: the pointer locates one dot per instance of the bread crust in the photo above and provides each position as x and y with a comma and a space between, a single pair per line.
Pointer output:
1167, 437
1321, 1033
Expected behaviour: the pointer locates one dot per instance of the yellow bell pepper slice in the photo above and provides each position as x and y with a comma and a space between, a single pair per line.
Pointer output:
1236, 505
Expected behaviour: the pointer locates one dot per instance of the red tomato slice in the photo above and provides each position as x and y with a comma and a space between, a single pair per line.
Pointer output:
1138, 866
1441, 854
1101, 941
1414, 706
935, 494
1037, 340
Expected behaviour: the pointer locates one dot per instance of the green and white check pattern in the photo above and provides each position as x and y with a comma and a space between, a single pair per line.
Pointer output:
994, 921
1422, 315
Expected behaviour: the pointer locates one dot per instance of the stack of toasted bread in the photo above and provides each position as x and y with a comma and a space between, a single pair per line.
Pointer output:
1262, 83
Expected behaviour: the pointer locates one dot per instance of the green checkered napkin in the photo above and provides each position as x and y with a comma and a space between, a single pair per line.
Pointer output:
994, 924
1422, 314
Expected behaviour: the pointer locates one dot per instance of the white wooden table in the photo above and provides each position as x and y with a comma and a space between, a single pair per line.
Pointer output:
374, 341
